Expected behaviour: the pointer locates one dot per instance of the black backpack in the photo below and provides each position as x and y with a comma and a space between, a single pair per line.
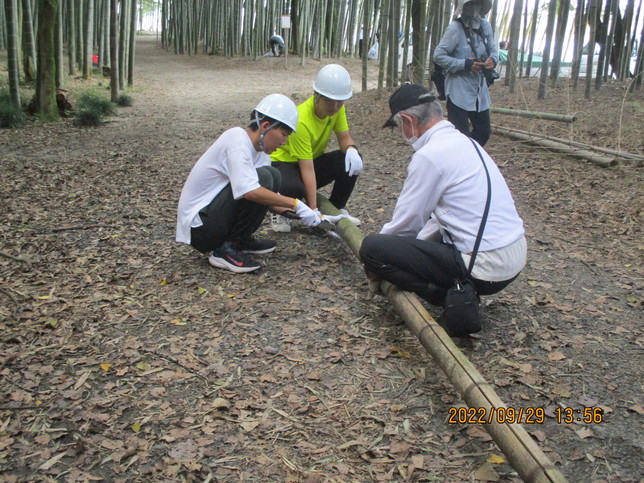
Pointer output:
438, 78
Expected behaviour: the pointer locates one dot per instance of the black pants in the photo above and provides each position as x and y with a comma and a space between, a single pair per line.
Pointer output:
424, 267
328, 168
276, 48
226, 219
461, 118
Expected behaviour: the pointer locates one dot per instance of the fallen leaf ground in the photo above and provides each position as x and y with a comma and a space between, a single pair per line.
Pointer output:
126, 357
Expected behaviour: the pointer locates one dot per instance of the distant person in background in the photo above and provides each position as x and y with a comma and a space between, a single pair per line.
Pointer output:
277, 45
303, 162
503, 45
468, 97
226, 196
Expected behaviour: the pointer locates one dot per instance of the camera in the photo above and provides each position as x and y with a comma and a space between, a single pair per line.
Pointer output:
482, 58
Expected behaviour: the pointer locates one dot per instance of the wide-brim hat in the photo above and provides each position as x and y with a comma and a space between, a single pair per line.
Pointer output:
486, 6
408, 95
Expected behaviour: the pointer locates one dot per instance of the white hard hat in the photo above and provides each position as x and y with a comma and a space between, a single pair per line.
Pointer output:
279, 108
333, 81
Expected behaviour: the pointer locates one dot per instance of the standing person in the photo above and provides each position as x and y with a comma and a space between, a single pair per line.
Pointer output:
427, 244
303, 162
277, 45
232, 185
466, 50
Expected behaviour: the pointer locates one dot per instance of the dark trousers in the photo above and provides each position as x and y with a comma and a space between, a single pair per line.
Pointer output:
461, 118
226, 219
328, 168
276, 48
426, 268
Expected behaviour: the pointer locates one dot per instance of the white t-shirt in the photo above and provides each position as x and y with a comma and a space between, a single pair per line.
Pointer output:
231, 159
446, 190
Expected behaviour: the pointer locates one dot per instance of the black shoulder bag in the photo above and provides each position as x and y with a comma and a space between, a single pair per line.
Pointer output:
461, 315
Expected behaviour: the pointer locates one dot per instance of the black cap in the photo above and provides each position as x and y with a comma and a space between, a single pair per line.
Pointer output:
408, 95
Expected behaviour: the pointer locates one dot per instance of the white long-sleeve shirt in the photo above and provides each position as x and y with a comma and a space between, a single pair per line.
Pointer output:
446, 190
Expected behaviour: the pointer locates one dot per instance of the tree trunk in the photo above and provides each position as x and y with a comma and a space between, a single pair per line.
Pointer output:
130, 57
602, 62
366, 36
114, 50
384, 41
60, 56
89, 39
639, 67
29, 54
626, 46
405, 71
418, 18
71, 37
552, 10
533, 36
523, 39
11, 14
79, 25
578, 44
46, 72
123, 13
562, 25
592, 22
106, 60
515, 29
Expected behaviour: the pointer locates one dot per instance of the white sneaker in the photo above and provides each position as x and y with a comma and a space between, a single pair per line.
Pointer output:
352, 219
280, 223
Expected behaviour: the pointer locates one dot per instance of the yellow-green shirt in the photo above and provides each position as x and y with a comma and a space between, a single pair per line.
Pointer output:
312, 134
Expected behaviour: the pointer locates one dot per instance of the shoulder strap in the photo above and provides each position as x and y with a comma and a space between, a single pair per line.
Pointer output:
468, 35
479, 235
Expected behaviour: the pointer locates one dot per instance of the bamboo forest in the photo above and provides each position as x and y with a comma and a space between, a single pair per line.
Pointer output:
57, 38
232, 231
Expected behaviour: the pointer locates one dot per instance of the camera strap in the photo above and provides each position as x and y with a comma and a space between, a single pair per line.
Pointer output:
468, 35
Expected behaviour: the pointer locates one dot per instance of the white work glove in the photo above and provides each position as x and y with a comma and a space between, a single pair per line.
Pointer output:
333, 219
306, 214
352, 161
329, 218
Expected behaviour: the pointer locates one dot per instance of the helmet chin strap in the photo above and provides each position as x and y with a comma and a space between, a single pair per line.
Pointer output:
262, 133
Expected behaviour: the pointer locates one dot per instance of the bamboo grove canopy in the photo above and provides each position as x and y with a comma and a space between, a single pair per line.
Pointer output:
48, 39
337, 28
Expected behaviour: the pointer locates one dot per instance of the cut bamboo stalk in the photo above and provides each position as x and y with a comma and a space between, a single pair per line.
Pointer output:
602, 161
522, 452
568, 142
549, 116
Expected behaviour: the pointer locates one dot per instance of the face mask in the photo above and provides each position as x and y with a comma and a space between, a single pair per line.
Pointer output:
471, 10
410, 140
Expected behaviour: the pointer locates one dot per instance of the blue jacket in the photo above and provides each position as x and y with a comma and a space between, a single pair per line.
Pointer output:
464, 87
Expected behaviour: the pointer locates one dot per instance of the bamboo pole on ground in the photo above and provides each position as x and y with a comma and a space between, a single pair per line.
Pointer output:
522, 452
602, 161
549, 116
568, 142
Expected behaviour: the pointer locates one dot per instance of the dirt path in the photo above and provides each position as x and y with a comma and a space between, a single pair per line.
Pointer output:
126, 357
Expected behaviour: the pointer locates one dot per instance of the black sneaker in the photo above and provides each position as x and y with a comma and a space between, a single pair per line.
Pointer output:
255, 245
231, 259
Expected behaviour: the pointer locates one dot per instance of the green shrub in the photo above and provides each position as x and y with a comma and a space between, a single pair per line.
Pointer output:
124, 100
10, 115
89, 116
95, 102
